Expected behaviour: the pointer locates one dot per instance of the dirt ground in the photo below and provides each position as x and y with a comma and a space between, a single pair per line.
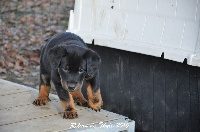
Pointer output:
24, 25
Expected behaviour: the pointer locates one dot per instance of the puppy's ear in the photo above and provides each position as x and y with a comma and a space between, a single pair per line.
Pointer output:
93, 62
55, 55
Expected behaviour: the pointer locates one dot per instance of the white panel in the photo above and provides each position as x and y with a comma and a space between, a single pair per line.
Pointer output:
115, 4
147, 7
166, 7
117, 24
77, 15
144, 26
198, 12
134, 28
93, 3
86, 19
172, 33
186, 8
190, 36
129, 5
153, 30
100, 21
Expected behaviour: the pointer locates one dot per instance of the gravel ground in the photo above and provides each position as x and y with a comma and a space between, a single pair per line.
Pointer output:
25, 24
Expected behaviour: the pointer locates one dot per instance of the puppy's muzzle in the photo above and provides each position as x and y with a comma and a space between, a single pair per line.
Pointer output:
71, 86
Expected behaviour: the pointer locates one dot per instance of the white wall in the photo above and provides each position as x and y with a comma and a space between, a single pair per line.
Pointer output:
148, 27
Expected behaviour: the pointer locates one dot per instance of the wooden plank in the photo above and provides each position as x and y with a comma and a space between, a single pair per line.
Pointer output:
198, 77
55, 122
124, 87
159, 95
194, 100
183, 97
171, 96
104, 78
115, 83
28, 111
10, 89
120, 88
147, 93
47, 118
17, 99
136, 90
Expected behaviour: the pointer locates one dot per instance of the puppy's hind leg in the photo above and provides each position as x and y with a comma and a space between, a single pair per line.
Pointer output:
44, 90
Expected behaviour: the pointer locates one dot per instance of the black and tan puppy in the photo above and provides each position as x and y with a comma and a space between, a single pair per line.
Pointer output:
67, 61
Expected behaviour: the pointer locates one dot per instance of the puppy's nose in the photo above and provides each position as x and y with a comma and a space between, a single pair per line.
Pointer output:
71, 85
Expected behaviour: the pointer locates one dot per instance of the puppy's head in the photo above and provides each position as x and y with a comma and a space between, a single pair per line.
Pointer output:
73, 64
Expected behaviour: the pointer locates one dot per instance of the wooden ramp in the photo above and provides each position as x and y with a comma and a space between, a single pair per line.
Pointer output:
18, 114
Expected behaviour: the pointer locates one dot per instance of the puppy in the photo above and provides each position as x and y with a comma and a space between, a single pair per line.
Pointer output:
67, 61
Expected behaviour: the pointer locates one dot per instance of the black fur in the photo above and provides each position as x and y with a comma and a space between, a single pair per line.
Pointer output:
67, 61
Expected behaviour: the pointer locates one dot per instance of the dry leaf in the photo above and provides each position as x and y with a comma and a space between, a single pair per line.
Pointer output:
34, 57
2, 63
10, 64
2, 70
18, 64
23, 20
16, 37
8, 46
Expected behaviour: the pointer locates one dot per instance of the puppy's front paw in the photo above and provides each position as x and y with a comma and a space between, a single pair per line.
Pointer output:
41, 101
94, 99
70, 114
95, 104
